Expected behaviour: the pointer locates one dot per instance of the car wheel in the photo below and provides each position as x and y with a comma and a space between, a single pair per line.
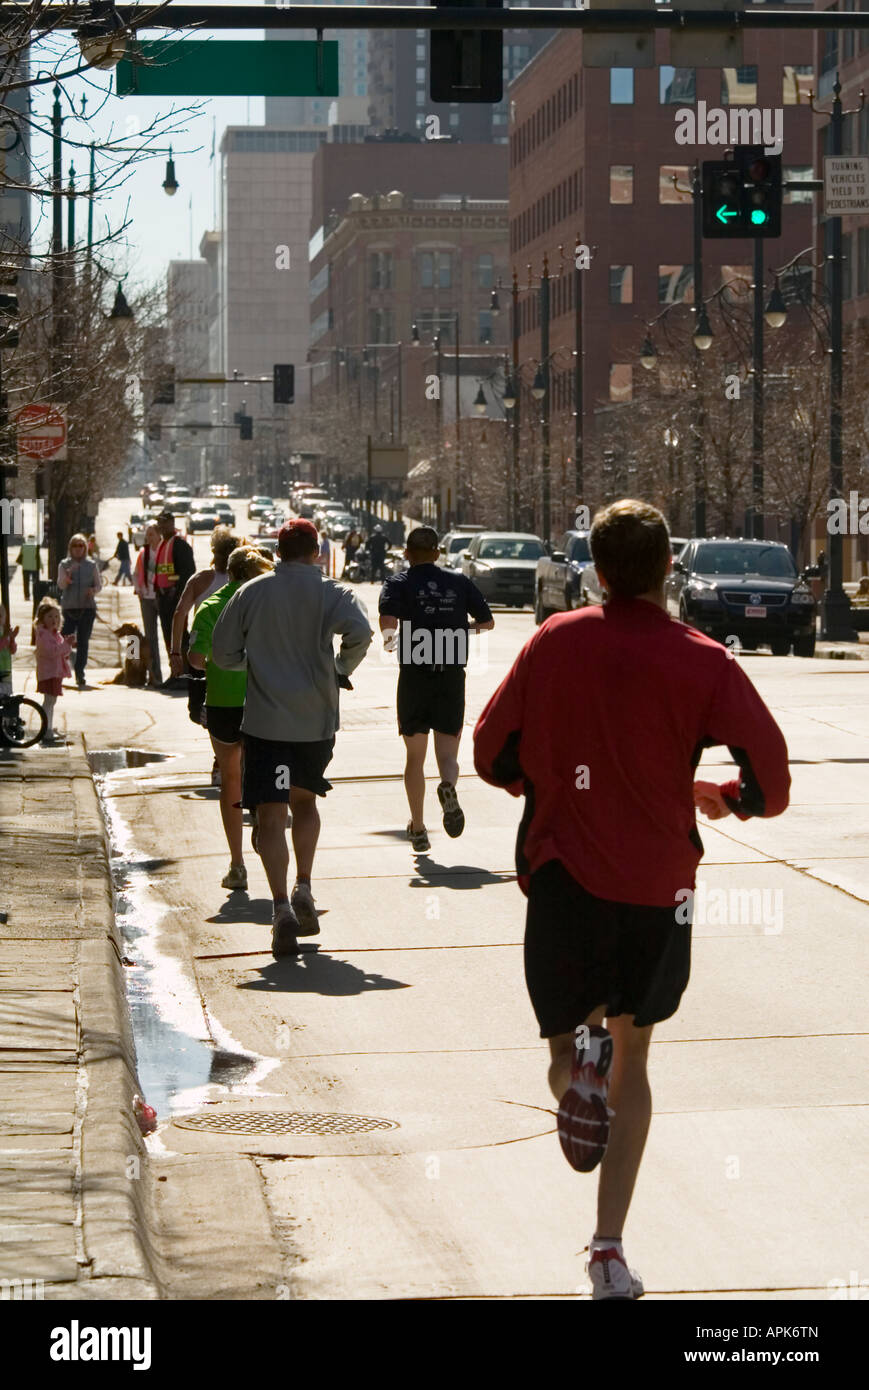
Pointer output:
780, 646
804, 646
541, 612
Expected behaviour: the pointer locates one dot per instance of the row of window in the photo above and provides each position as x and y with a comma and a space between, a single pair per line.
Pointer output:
839, 46
548, 211
546, 119
622, 182
434, 271
678, 86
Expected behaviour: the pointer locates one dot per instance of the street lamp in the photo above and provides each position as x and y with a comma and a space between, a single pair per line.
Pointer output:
509, 394
494, 305
648, 356
703, 331
538, 390
480, 405
170, 183
776, 310
102, 38
121, 314
414, 335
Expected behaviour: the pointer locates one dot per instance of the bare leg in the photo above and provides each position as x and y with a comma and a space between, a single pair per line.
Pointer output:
305, 831
446, 747
563, 1050
228, 757
414, 777
271, 819
631, 1099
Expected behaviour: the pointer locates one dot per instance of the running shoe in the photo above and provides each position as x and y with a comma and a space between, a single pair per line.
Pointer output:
302, 903
609, 1274
454, 816
236, 878
285, 928
583, 1116
418, 838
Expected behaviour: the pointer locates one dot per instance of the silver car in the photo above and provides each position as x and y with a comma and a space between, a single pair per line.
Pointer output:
503, 565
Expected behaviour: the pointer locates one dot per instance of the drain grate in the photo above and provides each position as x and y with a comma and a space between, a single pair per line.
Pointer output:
283, 1122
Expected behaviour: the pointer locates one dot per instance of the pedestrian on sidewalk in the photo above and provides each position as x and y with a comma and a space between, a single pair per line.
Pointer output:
424, 613
352, 541
600, 723
198, 588
122, 555
79, 581
52, 661
377, 548
8, 648
143, 584
325, 555
174, 566
224, 702
31, 563
282, 626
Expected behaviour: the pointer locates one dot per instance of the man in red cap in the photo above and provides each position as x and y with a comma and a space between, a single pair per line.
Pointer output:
280, 628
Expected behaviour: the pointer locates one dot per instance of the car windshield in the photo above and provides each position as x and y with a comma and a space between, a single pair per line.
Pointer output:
510, 548
458, 543
762, 561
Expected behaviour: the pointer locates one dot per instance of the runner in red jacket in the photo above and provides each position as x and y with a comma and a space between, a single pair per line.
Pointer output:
600, 724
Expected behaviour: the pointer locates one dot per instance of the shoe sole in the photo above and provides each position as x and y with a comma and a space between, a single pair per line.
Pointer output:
284, 941
583, 1129
234, 887
306, 916
454, 816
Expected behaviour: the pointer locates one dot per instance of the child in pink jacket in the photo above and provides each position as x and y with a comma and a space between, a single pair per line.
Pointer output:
52, 663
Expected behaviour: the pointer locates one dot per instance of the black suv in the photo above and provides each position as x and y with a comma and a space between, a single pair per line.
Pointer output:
745, 589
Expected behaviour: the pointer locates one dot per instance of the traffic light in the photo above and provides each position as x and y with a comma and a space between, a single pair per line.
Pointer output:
284, 383
466, 64
246, 427
742, 196
165, 385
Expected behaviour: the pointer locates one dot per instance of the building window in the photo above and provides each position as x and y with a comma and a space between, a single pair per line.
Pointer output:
738, 86
676, 85
621, 284
829, 47
380, 270
848, 44
485, 271
621, 183
863, 261
667, 193
797, 82
675, 284
621, 86
798, 171
484, 326
621, 381
435, 270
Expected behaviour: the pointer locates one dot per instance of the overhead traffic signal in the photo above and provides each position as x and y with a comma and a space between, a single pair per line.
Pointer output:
742, 195
164, 393
245, 423
466, 64
284, 383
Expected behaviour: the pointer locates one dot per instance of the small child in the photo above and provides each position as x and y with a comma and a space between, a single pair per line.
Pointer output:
8, 648
52, 664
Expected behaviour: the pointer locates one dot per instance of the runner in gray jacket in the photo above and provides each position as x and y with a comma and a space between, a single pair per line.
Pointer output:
78, 578
281, 627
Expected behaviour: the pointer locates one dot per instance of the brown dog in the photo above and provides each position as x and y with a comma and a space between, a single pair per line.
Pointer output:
135, 655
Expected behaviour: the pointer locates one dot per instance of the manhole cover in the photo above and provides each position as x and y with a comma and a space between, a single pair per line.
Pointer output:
283, 1122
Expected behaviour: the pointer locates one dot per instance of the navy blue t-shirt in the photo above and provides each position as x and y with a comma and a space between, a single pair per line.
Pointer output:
432, 606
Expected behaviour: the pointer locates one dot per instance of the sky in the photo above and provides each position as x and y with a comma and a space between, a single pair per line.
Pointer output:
162, 227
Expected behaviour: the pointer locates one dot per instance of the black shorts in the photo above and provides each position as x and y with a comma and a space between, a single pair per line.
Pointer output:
582, 951
271, 768
223, 722
430, 699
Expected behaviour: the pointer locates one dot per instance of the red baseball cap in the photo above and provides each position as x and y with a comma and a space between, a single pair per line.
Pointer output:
298, 527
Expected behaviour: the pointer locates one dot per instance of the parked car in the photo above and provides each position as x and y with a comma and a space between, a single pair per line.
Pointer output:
338, 524
558, 576
180, 505
590, 587
136, 529
202, 518
225, 513
746, 589
453, 543
503, 565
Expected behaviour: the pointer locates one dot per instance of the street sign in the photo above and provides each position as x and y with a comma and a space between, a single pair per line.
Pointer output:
388, 461
846, 185
41, 431
229, 68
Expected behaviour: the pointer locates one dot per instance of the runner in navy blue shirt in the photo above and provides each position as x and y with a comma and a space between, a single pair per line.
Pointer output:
425, 614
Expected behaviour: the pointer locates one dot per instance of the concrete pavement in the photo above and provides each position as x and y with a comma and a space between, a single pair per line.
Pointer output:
374, 1121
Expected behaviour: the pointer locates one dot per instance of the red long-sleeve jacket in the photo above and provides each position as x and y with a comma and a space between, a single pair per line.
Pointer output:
601, 723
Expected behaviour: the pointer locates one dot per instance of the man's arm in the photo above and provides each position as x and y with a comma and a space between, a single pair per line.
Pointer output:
351, 621
739, 718
182, 555
228, 648
499, 728
478, 608
192, 589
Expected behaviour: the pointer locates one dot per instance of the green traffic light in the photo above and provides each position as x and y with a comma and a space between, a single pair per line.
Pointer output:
758, 217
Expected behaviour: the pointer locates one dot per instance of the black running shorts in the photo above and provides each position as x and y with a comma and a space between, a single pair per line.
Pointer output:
430, 699
582, 951
271, 768
223, 722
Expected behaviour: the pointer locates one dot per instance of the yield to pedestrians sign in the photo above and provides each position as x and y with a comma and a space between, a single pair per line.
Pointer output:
846, 185
41, 432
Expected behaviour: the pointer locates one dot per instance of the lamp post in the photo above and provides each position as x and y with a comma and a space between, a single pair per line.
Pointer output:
414, 337
545, 400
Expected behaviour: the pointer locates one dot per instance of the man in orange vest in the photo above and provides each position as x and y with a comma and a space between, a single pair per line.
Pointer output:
173, 566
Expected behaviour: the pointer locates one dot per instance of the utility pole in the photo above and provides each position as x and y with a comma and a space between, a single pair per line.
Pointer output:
517, 388
578, 383
700, 421
757, 518
545, 403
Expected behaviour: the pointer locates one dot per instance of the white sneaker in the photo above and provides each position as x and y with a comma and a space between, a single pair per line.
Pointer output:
302, 903
609, 1274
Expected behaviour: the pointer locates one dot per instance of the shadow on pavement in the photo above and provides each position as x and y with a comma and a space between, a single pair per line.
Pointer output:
461, 876
240, 908
313, 972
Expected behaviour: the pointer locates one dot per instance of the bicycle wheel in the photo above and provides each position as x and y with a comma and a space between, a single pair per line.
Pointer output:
22, 722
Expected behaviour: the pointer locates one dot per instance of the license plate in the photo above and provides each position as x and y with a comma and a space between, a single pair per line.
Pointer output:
759, 612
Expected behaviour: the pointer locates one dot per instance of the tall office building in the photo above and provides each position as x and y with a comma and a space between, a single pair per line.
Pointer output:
351, 106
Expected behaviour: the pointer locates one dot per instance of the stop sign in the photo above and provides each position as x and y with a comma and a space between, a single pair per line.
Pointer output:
41, 431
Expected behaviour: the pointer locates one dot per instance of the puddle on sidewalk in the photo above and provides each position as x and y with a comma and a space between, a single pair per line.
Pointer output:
184, 1056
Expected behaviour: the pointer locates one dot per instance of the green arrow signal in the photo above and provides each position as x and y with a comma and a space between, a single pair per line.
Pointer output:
724, 212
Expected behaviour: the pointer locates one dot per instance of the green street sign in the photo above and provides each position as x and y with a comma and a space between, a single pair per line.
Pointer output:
724, 212
229, 68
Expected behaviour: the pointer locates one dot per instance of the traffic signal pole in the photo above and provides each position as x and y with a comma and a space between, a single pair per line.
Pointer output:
700, 423
757, 518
